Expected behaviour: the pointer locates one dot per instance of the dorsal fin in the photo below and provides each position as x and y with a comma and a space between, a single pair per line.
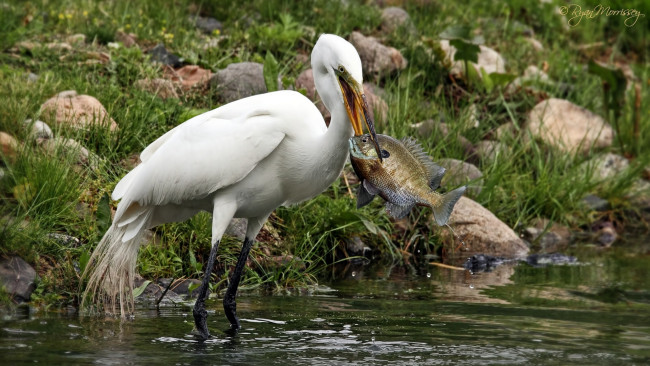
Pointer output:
434, 171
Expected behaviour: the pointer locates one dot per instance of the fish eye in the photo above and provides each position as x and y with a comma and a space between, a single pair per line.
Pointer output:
364, 139
341, 69
385, 154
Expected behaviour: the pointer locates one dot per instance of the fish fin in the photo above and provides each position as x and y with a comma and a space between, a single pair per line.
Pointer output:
442, 211
370, 187
363, 196
434, 171
397, 211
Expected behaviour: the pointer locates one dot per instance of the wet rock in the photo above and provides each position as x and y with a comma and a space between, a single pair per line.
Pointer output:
459, 173
161, 88
38, 129
128, 40
593, 202
488, 60
65, 240
550, 237
189, 76
394, 18
18, 278
161, 55
354, 246
239, 80
153, 292
77, 111
604, 233
483, 232
181, 286
8, 146
376, 58
605, 167
540, 260
568, 127
207, 24
237, 228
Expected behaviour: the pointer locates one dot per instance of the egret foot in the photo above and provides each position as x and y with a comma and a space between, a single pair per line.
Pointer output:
199, 312
229, 301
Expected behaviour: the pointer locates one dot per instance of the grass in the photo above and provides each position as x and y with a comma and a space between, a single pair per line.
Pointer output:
44, 193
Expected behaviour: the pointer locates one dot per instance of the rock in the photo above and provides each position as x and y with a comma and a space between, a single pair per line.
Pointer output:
161, 88
8, 146
237, 228
153, 292
128, 40
604, 233
306, 81
459, 173
593, 202
354, 246
488, 151
556, 238
605, 167
394, 18
62, 145
59, 46
568, 127
429, 127
278, 261
38, 129
161, 55
77, 111
189, 76
207, 24
76, 39
67, 241
537, 45
482, 232
639, 194
239, 80
32, 78
18, 278
488, 59
376, 58
182, 286
27, 46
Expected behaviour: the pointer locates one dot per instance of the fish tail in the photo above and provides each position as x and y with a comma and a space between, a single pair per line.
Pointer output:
444, 205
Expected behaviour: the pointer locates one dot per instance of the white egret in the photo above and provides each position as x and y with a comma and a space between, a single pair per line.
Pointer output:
243, 159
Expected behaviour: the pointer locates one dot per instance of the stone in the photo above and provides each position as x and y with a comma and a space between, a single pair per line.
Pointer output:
459, 173
430, 127
568, 127
354, 246
488, 60
483, 232
161, 55
604, 233
237, 228
32, 78
127, 39
394, 18
376, 58
77, 111
504, 132
549, 236
605, 167
59, 46
278, 261
8, 146
62, 145
489, 151
76, 39
595, 203
182, 286
377, 106
162, 88
306, 81
18, 278
38, 129
537, 45
207, 24
65, 240
153, 292
239, 80
189, 76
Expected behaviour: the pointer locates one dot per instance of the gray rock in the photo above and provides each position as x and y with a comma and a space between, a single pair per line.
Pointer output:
550, 237
306, 81
376, 58
604, 233
605, 167
488, 60
18, 278
181, 286
162, 88
153, 292
239, 80
237, 228
38, 129
67, 241
568, 127
161, 55
459, 173
594, 202
356, 247
32, 78
394, 18
207, 24
483, 232
488, 151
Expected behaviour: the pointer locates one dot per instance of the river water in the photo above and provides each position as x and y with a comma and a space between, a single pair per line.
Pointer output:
595, 312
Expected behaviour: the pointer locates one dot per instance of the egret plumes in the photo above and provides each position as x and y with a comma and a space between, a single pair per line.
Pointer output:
243, 160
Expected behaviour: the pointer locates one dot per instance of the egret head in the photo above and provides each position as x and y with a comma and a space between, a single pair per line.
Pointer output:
338, 77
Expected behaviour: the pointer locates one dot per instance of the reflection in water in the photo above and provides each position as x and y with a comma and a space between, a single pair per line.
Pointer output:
589, 314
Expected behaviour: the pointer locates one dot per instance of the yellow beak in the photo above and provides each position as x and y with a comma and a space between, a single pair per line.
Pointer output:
357, 109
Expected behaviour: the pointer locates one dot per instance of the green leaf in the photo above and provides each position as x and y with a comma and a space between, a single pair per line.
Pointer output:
465, 50
502, 79
138, 291
456, 32
83, 260
103, 214
487, 80
271, 70
615, 84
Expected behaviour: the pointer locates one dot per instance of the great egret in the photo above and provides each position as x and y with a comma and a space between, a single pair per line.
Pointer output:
243, 159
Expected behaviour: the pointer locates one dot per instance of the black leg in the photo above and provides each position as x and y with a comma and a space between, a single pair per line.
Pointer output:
199, 312
229, 302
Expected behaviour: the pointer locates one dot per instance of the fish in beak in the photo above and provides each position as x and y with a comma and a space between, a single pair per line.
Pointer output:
358, 111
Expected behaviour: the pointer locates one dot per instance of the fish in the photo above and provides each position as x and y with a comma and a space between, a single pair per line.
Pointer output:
405, 178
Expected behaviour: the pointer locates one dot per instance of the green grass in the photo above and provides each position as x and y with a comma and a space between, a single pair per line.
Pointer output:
49, 193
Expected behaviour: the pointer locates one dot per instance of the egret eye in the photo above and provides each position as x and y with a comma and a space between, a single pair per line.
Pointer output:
341, 69
385, 154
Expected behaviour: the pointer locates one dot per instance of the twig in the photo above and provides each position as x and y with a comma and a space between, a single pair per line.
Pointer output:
164, 292
447, 266
347, 184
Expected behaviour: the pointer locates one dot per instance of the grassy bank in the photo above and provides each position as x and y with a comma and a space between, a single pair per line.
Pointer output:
49, 193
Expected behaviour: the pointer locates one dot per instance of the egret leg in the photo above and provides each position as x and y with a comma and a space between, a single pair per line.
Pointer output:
199, 312
229, 302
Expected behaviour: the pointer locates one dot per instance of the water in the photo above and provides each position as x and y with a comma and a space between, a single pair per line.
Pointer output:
594, 313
